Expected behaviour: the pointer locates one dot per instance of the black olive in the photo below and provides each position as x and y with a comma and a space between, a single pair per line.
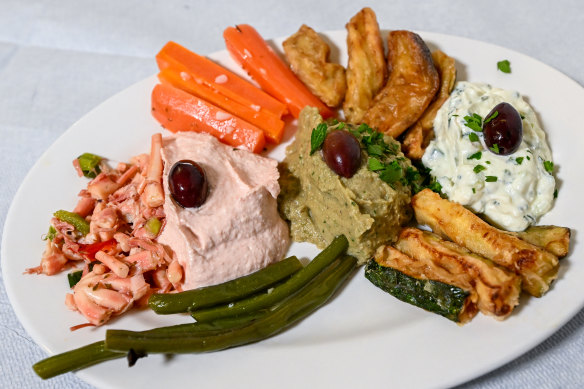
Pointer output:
342, 153
503, 132
188, 184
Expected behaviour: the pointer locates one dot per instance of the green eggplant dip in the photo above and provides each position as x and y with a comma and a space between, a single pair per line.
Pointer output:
369, 208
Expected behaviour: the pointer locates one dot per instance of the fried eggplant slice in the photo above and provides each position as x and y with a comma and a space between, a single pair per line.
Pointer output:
537, 267
422, 284
554, 239
366, 69
413, 82
420, 134
497, 289
308, 55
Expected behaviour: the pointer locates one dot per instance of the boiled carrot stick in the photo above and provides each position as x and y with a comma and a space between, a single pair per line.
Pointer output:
217, 77
271, 125
251, 51
178, 110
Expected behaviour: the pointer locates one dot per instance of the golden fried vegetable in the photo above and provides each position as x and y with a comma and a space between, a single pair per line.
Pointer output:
537, 267
420, 134
497, 288
554, 239
308, 55
366, 69
413, 82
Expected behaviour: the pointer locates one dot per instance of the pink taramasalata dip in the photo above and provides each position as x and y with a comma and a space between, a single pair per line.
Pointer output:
238, 229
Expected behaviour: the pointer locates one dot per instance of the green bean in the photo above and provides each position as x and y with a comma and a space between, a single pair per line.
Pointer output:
75, 359
74, 219
308, 299
96, 352
226, 292
280, 292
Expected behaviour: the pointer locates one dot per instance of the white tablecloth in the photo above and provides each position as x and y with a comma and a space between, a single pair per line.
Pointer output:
59, 59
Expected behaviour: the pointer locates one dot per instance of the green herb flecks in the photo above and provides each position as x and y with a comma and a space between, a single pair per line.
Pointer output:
474, 122
476, 155
375, 164
478, 168
504, 66
491, 178
494, 148
317, 137
494, 115
473, 137
548, 166
519, 160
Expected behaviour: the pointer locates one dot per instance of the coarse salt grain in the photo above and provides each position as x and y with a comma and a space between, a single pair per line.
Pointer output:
221, 79
185, 76
255, 107
220, 115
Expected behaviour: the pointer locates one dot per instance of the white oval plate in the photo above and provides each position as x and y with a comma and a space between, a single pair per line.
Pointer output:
364, 337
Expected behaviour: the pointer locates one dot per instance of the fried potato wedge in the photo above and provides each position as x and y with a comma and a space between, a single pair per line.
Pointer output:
421, 133
413, 82
497, 289
554, 239
366, 69
537, 267
423, 270
308, 55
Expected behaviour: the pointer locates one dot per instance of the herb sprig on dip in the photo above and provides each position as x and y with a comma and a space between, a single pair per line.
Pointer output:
383, 156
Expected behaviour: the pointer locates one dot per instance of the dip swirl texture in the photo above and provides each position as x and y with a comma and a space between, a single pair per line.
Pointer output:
522, 191
238, 229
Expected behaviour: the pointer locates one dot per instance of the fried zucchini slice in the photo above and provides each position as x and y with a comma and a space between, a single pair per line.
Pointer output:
537, 267
413, 82
421, 133
497, 289
366, 69
421, 284
433, 296
554, 239
308, 55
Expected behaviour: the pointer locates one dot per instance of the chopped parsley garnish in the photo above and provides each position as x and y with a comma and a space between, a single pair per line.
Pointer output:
473, 137
556, 193
548, 166
491, 178
494, 148
478, 168
391, 173
317, 137
504, 66
476, 155
519, 160
474, 122
522, 116
529, 159
488, 162
494, 115
375, 164
474, 190
375, 149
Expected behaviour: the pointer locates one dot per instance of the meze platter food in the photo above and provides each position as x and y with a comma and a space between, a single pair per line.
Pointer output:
197, 222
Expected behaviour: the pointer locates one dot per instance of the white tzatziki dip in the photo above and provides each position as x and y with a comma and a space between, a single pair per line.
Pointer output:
512, 191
